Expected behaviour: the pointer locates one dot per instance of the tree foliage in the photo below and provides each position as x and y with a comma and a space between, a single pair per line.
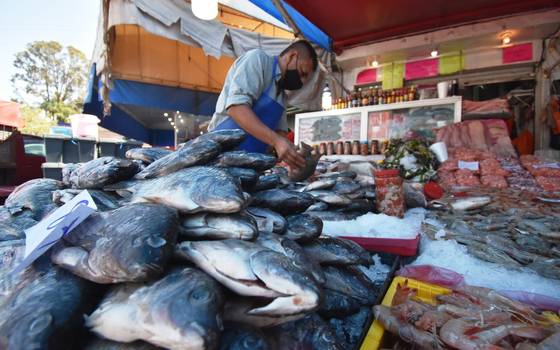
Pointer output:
35, 122
52, 77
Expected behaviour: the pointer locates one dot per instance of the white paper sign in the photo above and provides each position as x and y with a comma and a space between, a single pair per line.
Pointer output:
468, 165
39, 238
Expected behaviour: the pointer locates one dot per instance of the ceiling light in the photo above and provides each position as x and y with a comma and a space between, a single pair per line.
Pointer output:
177, 112
172, 123
201, 133
205, 9
182, 121
169, 119
165, 114
375, 64
506, 37
434, 53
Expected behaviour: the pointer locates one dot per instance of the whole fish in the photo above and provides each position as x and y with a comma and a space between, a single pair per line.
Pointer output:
42, 307
241, 159
147, 155
103, 171
310, 333
103, 200
13, 226
303, 227
106, 344
267, 182
358, 205
227, 138
283, 201
247, 177
337, 304
334, 215
34, 195
323, 184
267, 220
237, 310
343, 187
462, 204
330, 197
252, 270
180, 311
293, 251
350, 282
192, 153
311, 160
337, 251
129, 244
67, 171
219, 226
337, 175
239, 337
189, 190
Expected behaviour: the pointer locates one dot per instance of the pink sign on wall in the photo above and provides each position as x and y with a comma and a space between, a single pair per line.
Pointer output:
421, 69
517, 53
367, 76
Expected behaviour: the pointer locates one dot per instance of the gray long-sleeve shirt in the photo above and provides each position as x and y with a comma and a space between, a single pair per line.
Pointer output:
246, 81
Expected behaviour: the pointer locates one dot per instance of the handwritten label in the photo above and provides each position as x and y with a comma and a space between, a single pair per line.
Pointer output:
41, 237
468, 165
421, 69
517, 53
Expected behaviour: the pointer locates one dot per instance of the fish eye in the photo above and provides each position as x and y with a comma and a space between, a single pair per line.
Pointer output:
200, 294
40, 324
251, 342
326, 336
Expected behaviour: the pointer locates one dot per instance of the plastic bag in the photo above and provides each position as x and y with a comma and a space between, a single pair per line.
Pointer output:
433, 274
538, 301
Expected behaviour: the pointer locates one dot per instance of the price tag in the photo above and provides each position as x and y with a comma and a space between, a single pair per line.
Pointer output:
39, 238
468, 165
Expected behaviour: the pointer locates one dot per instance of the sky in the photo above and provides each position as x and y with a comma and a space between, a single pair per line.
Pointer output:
70, 22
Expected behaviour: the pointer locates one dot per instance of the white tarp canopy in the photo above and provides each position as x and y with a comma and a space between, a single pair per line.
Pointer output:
173, 19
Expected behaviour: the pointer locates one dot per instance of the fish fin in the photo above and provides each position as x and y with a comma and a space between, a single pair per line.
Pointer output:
283, 306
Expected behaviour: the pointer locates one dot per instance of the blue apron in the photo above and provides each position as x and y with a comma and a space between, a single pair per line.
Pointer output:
269, 112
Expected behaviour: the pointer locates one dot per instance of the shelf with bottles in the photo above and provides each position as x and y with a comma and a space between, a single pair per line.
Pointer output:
371, 96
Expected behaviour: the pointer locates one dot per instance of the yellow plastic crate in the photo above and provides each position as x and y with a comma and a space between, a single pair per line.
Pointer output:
426, 292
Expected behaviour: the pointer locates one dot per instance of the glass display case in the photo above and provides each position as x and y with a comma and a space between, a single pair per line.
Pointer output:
378, 122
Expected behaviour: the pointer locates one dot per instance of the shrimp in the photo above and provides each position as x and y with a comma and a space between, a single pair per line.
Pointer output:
403, 293
484, 316
405, 331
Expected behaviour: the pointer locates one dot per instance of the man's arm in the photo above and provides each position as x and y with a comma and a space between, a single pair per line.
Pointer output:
244, 116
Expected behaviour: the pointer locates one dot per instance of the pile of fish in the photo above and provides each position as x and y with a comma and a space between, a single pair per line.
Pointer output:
470, 318
507, 227
191, 249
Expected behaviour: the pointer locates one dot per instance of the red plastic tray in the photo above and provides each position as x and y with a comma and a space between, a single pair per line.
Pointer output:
398, 246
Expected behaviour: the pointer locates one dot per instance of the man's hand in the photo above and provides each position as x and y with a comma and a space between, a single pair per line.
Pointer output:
287, 152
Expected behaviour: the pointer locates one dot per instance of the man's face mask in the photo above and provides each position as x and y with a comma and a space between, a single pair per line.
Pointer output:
291, 79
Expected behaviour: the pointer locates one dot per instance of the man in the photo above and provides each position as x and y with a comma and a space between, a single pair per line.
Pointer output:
252, 98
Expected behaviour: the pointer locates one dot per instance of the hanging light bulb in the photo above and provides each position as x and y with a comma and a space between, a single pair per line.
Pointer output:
182, 121
506, 37
326, 98
172, 123
169, 119
205, 9
165, 114
434, 52
375, 64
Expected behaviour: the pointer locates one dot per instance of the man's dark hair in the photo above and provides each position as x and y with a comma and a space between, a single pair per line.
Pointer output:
304, 47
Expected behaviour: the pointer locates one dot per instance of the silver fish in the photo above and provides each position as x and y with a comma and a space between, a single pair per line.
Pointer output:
337, 175
147, 155
319, 206
323, 184
343, 187
268, 220
41, 307
303, 228
330, 197
103, 171
252, 270
311, 160
470, 203
192, 153
334, 215
129, 244
103, 200
337, 251
293, 251
34, 195
238, 310
219, 226
189, 190
283, 201
241, 159
179, 311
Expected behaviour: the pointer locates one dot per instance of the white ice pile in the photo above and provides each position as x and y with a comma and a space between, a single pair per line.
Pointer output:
453, 256
376, 272
378, 225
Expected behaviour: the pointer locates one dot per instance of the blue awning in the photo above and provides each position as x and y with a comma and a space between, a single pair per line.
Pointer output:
309, 30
